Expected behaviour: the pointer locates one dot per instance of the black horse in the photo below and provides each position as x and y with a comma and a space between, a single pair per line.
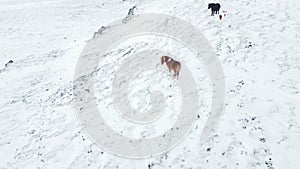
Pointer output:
214, 8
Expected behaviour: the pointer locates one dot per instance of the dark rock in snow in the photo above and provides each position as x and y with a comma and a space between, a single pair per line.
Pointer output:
130, 14
8, 63
262, 140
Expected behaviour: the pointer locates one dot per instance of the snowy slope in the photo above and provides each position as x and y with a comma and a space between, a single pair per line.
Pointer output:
260, 126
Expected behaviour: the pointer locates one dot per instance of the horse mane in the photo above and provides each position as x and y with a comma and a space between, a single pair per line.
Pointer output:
165, 59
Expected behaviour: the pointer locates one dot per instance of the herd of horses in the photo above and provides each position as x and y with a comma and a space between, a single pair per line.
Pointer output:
174, 65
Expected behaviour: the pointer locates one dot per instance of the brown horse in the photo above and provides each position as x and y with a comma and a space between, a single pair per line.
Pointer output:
172, 65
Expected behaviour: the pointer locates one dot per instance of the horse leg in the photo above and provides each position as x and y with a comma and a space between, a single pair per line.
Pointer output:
174, 72
177, 73
169, 67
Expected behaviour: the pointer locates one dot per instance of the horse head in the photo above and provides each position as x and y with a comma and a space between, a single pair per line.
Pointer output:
209, 5
162, 60
165, 59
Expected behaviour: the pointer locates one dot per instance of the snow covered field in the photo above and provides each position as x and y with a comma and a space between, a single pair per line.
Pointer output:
258, 43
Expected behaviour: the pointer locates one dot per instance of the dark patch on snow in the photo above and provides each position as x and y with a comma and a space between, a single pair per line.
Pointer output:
262, 140
129, 15
8, 63
100, 31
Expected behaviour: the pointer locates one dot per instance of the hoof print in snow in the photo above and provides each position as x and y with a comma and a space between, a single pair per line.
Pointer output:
269, 164
249, 45
150, 165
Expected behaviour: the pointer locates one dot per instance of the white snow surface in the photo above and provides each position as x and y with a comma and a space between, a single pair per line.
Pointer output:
260, 126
